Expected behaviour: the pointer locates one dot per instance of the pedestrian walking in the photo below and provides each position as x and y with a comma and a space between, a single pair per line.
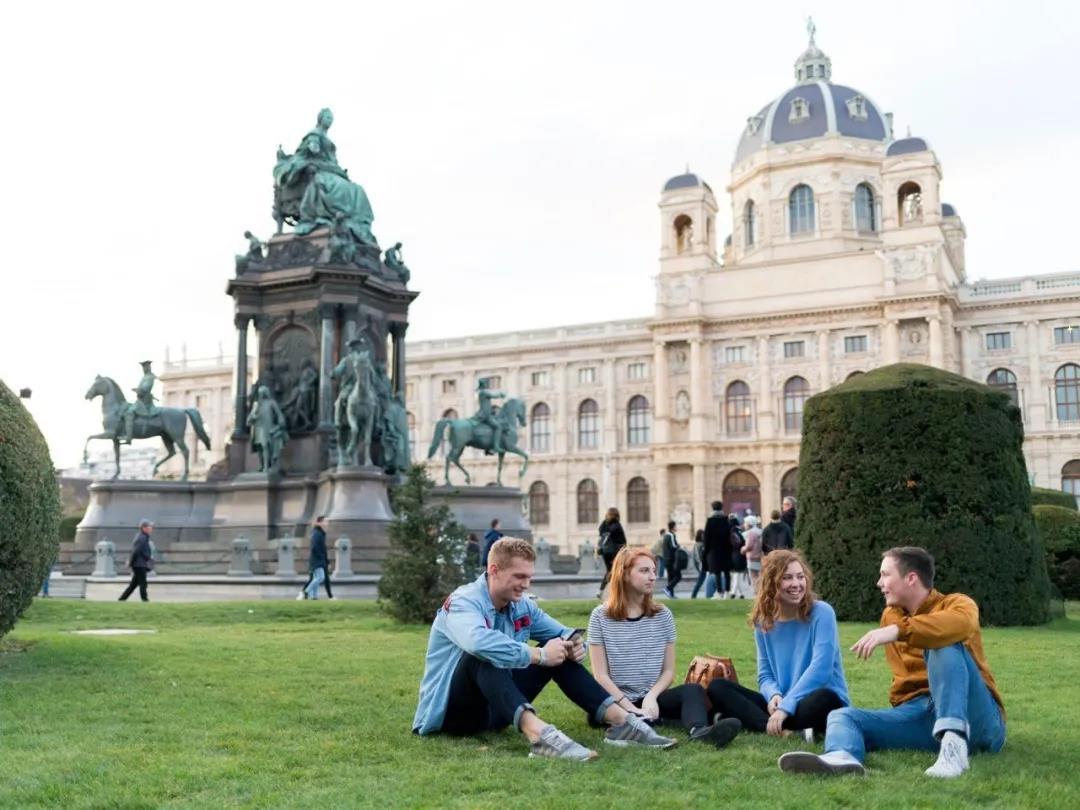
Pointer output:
141, 561
318, 564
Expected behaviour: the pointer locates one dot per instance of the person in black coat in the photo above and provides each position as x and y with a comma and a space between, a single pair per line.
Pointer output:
776, 535
140, 561
612, 541
718, 547
317, 559
788, 515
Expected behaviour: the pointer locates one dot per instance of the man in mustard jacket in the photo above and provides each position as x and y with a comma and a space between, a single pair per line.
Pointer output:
943, 694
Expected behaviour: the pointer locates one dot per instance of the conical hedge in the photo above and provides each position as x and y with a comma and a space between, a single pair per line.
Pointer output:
912, 455
29, 509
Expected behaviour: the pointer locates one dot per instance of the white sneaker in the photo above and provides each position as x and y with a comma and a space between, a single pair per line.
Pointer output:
553, 743
952, 759
835, 762
300, 597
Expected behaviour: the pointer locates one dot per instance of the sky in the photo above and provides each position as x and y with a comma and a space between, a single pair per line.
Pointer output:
517, 151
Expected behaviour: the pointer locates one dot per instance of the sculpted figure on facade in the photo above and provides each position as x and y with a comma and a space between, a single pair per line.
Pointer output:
394, 262
269, 430
143, 405
301, 402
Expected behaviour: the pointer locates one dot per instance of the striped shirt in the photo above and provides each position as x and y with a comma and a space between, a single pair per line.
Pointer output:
634, 648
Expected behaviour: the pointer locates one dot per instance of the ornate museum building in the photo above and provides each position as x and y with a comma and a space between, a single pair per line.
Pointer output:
844, 257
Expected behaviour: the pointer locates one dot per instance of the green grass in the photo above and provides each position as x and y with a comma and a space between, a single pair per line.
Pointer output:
309, 705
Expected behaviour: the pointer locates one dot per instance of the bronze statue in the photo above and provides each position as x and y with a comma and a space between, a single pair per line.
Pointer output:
356, 406
300, 405
254, 254
475, 433
392, 258
486, 414
168, 423
268, 430
143, 404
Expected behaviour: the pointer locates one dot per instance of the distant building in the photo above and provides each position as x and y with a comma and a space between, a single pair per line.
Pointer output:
136, 462
844, 257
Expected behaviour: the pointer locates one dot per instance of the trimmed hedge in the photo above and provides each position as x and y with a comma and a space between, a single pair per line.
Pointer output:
29, 509
1060, 531
912, 455
1040, 496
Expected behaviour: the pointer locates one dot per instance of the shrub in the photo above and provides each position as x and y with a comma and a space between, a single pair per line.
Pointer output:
912, 455
427, 548
1060, 531
67, 529
29, 509
1040, 496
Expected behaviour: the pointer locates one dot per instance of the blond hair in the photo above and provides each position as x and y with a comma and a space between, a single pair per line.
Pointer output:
510, 548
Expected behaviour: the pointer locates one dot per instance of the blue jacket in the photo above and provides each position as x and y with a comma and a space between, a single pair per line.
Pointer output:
796, 658
489, 540
467, 622
317, 558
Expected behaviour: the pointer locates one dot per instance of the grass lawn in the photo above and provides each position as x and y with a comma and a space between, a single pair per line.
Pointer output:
309, 705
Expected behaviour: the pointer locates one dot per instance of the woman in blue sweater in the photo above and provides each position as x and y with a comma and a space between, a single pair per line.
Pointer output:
800, 674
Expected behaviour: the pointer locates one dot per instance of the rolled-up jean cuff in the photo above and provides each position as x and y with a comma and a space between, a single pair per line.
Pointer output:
520, 710
943, 724
602, 708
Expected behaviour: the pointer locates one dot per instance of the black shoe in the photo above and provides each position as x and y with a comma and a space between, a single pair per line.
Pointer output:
719, 733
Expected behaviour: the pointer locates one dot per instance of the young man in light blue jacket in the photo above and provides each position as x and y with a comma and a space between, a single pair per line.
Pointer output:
480, 673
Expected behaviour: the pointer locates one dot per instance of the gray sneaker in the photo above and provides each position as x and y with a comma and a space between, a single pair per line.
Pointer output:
553, 743
635, 731
835, 762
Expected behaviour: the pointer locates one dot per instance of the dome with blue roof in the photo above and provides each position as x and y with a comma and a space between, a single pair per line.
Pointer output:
906, 146
686, 180
813, 108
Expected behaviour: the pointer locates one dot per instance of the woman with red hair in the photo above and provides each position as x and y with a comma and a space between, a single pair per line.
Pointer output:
632, 651
800, 674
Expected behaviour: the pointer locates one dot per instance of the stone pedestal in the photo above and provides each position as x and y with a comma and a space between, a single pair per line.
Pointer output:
475, 508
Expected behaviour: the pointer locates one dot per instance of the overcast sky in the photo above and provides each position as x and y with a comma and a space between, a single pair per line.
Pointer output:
516, 149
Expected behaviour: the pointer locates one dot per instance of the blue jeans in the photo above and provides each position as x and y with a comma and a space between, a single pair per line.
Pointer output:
709, 579
659, 567
959, 700
318, 576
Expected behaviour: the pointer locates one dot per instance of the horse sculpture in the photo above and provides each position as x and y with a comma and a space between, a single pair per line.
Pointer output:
168, 423
467, 433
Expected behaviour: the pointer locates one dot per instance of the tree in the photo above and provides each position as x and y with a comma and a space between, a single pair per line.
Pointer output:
29, 509
912, 455
427, 547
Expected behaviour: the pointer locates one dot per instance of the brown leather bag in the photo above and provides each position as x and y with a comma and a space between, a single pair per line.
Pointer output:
706, 668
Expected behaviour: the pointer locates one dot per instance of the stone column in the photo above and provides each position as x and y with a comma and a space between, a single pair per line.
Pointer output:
286, 557
343, 557
240, 564
660, 389
1034, 402
327, 314
240, 423
892, 341
698, 399
701, 497
397, 330
937, 344
824, 370
764, 415
770, 489
613, 424
967, 353
562, 440
104, 559
662, 499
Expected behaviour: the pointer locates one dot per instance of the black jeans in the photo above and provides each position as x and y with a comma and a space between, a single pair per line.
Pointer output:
138, 580
326, 581
608, 560
685, 703
484, 697
733, 700
674, 575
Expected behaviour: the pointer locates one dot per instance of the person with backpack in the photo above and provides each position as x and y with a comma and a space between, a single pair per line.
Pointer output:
671, 559
777, 535
612, 541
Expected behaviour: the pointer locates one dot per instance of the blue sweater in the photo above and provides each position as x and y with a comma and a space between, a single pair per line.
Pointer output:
796, 658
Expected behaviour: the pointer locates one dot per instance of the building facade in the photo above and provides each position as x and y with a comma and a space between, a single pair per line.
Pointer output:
843, 257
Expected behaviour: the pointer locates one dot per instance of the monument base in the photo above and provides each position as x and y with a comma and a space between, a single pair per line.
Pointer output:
475, 508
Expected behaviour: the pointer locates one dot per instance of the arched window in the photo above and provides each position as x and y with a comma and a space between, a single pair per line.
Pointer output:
1001, 379
742, 493
411, 417
539, 504
853, 375
637, 501
540, 428
738, 409
684, 234
444, 448
801, 209
588, 424
748, 222
588, 502
1067, 392
865, 216
638, 421
909, 203
1070, 479
789, 484
796, 392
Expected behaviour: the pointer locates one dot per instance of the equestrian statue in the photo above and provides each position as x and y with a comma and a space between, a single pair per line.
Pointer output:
142, 419
495, 431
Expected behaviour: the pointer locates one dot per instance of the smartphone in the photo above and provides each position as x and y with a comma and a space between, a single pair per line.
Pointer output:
577, 635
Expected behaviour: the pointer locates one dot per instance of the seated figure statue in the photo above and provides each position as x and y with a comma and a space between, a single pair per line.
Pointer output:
326, 194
